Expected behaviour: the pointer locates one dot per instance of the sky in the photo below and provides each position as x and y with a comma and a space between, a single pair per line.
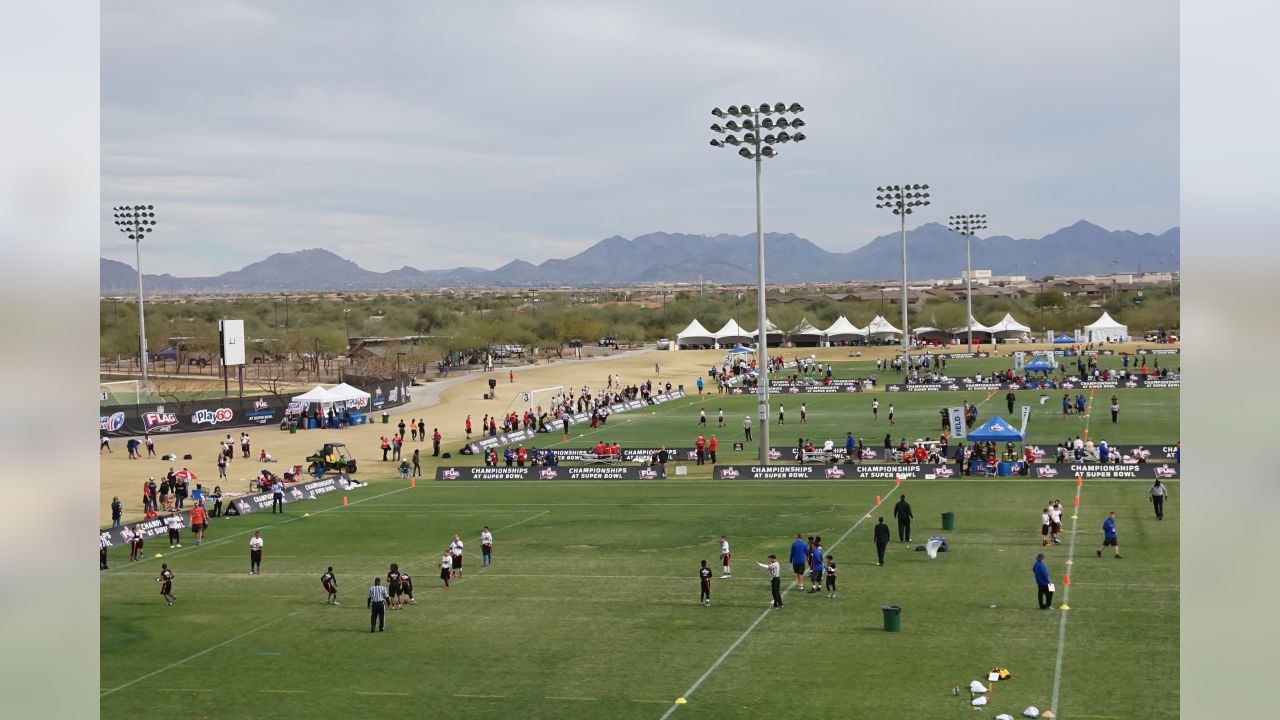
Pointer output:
439, 135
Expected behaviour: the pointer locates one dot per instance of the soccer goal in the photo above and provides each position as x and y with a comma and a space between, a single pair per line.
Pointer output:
546, 397
120, 392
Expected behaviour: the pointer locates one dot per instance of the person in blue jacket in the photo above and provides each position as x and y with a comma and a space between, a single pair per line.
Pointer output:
1043, 594
799, 558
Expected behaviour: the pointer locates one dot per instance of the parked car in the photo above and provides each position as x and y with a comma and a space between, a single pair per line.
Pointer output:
664, 344
608, 341
575, 343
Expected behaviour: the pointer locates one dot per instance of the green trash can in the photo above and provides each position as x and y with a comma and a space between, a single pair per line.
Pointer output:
892, 618
386, 418
293, 428
948, 521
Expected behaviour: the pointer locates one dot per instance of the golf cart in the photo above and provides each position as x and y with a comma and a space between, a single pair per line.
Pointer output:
333, 456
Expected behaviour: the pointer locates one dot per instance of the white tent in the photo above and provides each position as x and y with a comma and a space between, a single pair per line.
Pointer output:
733, 334
347, 393
694, 335
1104, 329
975, 326
931, 333
806, 335
1009, 328
881, 329
771, 333
317, 394
844, 331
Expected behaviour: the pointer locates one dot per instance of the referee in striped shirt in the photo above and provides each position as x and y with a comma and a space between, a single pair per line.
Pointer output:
378, 599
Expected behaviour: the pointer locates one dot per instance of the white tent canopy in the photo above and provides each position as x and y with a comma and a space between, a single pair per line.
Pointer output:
772, 333
881, 328
346, 393
695, 334
806, 333
973, 326
1104, 329
1010, 328
317, 394
733, 334
842, 329
930, 333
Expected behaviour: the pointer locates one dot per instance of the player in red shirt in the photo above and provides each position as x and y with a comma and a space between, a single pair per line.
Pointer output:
711, 447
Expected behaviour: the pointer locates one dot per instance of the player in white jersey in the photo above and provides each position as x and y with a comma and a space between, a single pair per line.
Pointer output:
724, 557
455, 552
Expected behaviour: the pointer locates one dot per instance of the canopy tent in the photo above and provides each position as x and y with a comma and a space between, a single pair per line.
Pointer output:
317, 394
741, 350
346, 393
880, 329
931, 333
1104, 329
1063, 339
1038, 364
806, 335
976, 327
995, 430
844, 331
771, 333
733, 334
694, 335
1008, 328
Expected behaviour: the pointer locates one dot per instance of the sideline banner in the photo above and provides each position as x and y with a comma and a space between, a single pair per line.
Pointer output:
1122, 453
1093, 471
1068, 383
833, 472
234, 412
241, 505
560, 472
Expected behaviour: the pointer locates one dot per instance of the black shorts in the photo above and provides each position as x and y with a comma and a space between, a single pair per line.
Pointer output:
1115, 542
393, 590
1044, 529
831, 582
330, 589
166, 588
457, 562
815, 576
487, 549
1057, 528
444, 574
797, 568
198, 527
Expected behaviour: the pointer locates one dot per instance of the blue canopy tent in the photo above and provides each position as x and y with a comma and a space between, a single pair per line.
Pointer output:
1063, 339
740, 350
995, 430
1038, 364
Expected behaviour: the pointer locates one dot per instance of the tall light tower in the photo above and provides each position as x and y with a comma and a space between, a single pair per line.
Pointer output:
901, 199
967, 225
135, 221
753, 146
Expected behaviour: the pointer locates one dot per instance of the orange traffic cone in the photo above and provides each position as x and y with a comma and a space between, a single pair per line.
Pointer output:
412, 483
897, 481
877, 499
344, 501
1066, 579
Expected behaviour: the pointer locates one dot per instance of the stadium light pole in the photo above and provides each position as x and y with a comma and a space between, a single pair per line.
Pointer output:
901, 199
756, 146
967, 225
135, 221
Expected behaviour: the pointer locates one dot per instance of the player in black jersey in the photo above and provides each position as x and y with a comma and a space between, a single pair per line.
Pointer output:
831, 577
704, 574
406, 586
330, 583
393, 587
166, 584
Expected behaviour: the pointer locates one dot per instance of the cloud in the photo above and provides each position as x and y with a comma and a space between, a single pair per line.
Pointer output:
437, 135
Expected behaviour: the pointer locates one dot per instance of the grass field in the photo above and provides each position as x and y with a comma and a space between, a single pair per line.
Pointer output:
590, 607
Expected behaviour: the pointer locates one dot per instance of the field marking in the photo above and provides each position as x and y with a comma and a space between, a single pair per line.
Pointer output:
269, 690
196, 548
189, 658
561, 697
656, 702
369, 692
531, 517
1066, 595
483, 697
763, 615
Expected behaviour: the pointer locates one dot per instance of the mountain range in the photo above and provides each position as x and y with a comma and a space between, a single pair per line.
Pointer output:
933, 251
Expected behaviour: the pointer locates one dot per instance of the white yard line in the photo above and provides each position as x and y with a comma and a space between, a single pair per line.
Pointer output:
531, 517
1066, 595
189, 658
675, 705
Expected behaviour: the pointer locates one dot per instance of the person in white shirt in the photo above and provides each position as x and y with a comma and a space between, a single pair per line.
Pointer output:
720, 417
486, 547
174, 525
1046, 524
446, 567
1055, 520
255, 553
775, 579
724, 557
829, 446
455, 552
